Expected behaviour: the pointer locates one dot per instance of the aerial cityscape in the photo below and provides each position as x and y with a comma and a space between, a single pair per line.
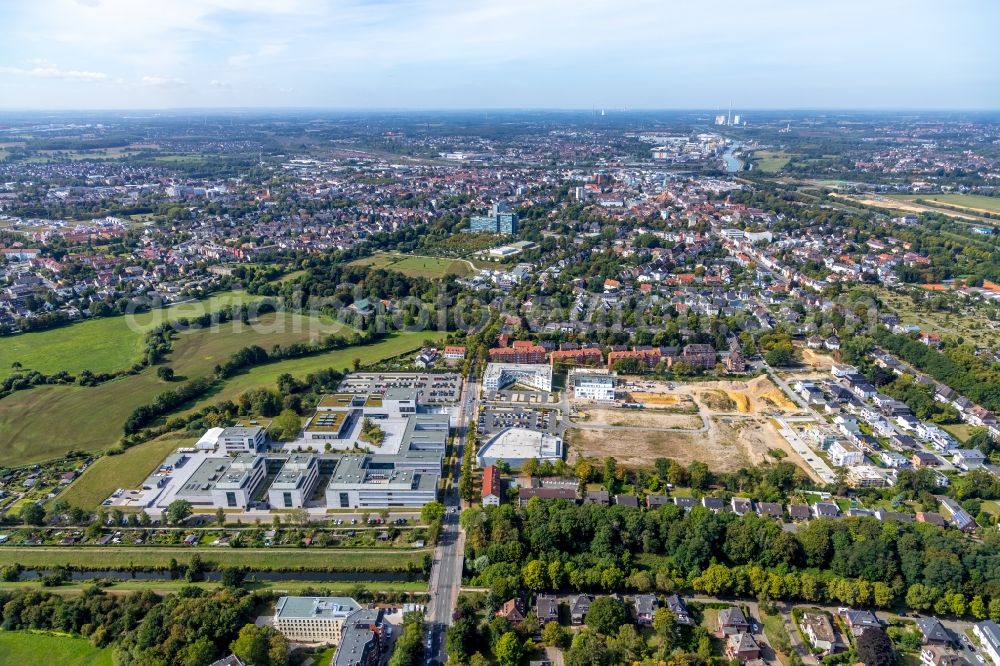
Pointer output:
517, 334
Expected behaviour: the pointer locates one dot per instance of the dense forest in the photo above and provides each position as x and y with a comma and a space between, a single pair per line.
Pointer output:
558, 545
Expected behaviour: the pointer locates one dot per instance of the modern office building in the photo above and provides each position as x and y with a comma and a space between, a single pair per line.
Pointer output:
536, 376
501, 220
382, 482
313, 619
593, 385
242, 439
295, 483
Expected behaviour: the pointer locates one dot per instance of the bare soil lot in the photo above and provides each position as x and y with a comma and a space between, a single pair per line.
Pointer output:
739, 431
729, 444
642, 418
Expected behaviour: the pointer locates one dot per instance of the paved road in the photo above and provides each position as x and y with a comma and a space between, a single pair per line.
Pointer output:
446, 572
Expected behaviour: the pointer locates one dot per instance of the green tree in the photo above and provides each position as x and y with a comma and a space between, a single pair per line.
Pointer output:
509, 649
534, 575
665, 626
286, 426
605, 615
780, 357
178, 511
33, 514
261, 646
553, 634
197, 653
166, 373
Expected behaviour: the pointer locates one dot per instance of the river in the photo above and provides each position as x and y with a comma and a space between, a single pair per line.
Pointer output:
733, 165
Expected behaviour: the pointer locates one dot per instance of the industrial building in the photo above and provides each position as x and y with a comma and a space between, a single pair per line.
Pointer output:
516, 445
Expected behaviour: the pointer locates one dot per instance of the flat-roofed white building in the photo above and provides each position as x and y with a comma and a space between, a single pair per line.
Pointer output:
313, 619
593, 385
516, 445
295, 483
380, 482
236, 486
242, 439
537, 376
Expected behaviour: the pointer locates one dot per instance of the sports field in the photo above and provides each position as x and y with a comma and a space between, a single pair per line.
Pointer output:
100, 345
416, 266
19, 648
128, 470
47, 421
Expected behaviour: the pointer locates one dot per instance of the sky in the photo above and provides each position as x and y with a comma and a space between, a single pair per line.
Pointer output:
466, 54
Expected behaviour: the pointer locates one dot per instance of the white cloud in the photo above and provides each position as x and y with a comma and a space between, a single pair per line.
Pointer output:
52, 72
162, 81
220, 84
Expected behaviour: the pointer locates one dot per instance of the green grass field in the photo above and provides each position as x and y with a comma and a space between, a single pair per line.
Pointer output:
261, 559
973, 202
331, 588
416, 266
960, 431
100, 345
21, 648
771, 161
267, 375
47, 421
128, 470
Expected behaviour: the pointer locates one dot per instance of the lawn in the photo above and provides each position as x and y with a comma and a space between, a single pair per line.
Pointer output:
771, 161
960, 431
329, 588
47, 421
340, 359
260, 559
100, 345
973, 202
18, 648
128, 470
416, 266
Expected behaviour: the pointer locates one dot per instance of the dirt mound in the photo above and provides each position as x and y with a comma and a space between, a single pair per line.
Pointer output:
717, 400
654, 399
740, 400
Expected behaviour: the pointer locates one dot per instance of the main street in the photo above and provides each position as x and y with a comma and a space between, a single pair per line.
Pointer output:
446, 572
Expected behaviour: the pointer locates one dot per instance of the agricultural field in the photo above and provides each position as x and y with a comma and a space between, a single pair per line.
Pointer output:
100, 345
18, 648
260, 559
770, 161
127, 470
417, 266
47, 421
910, 206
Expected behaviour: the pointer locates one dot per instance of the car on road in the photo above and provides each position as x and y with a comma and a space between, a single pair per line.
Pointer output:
841, 610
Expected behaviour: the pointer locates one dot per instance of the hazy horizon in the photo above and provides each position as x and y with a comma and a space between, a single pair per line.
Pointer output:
433, 55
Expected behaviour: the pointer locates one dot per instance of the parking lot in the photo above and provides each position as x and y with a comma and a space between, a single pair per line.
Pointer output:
517, 396
493, 419
431, 388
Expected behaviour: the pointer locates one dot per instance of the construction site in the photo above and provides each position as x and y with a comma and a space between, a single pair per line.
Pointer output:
725, 424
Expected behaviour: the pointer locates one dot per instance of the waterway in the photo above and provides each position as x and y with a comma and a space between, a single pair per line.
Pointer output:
733, 164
